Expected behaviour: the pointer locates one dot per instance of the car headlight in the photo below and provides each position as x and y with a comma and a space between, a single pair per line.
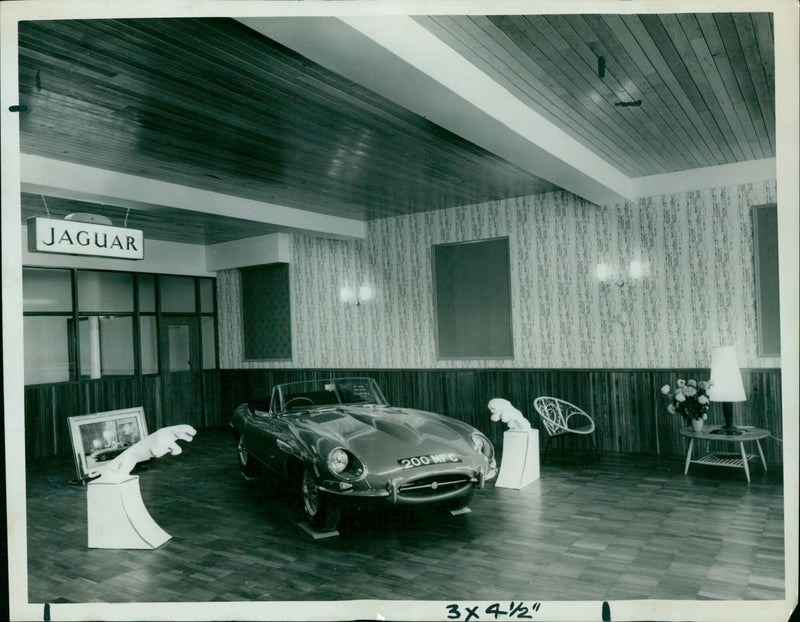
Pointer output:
338, 460
483, 445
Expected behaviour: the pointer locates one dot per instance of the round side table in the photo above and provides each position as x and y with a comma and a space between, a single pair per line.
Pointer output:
721, 458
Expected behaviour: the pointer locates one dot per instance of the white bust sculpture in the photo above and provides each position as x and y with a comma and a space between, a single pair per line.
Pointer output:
155, 445
503, 410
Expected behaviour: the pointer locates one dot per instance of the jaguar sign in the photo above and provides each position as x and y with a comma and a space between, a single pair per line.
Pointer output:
70, 237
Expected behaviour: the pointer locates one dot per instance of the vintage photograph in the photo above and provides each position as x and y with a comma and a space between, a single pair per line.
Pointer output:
422, 311
100, 437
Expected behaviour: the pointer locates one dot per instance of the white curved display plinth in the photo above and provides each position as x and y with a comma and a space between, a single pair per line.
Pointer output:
520, 462
118, 519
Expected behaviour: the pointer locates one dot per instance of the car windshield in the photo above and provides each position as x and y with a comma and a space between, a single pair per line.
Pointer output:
294, 396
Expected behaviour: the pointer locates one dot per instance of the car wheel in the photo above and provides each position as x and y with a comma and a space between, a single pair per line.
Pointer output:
321, 513
249, 466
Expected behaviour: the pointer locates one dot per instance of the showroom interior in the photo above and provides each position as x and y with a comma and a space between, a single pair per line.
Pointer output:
297, 182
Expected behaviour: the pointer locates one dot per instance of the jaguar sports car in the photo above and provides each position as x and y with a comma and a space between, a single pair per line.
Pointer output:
339, 442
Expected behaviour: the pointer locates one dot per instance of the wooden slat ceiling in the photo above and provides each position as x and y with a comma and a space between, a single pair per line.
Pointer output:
706, 81
210, 103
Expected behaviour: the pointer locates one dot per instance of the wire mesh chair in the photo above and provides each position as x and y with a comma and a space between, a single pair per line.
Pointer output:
562, 419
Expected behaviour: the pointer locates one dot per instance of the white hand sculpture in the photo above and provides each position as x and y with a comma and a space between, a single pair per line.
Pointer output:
155, 445
502, 410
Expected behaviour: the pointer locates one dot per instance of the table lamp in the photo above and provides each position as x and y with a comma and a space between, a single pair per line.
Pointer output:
726, 386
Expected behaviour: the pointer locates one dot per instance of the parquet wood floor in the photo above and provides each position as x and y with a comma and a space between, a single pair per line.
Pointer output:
623, 527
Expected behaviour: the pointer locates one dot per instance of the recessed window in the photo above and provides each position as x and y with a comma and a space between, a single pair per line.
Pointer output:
46, 290
106, 346
47, 353
177, 294
206, 295
472, 287
765, 234
108, 292
209, 337
149, 344
180, 347
266, 312
147, 293
100, 332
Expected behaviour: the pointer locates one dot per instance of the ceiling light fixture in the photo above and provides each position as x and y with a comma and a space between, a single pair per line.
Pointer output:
95, 219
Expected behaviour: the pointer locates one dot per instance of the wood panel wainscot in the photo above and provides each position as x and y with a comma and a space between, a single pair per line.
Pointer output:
626, 404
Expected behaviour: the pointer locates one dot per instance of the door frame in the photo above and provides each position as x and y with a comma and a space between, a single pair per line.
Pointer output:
195, 364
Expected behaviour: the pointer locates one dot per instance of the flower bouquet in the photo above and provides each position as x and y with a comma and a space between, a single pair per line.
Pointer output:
689, 399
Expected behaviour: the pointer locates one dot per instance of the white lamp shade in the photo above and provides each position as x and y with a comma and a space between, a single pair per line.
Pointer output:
726, 379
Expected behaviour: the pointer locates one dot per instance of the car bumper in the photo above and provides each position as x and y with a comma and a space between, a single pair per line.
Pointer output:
416, 489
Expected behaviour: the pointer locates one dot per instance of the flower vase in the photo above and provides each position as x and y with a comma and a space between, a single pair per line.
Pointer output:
697, 425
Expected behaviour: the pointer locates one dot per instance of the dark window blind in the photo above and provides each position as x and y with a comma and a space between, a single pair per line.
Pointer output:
472, 288
765, 233
266, 312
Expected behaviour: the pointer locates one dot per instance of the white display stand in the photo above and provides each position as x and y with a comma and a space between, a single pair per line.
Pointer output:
117, 517
520, 463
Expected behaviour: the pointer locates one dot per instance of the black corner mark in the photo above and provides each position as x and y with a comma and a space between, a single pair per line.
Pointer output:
46, 616
18, 108
606, 612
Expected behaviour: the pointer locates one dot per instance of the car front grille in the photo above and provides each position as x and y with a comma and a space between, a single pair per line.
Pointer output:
433, 485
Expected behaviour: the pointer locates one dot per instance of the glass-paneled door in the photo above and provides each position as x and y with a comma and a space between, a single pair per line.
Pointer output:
181, 371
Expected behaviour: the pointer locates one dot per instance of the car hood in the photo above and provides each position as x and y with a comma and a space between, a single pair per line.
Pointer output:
384, 435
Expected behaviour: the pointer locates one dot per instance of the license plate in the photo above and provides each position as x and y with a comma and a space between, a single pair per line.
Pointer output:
427, 459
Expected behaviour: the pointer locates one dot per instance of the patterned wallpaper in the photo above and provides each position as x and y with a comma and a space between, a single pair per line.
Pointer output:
694, 252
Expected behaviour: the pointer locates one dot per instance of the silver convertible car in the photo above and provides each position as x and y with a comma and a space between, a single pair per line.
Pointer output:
340, 442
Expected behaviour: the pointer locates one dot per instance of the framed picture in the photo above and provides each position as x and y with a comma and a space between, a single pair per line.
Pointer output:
100, 437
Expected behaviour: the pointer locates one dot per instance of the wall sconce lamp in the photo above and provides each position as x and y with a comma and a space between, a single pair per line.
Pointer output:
605, 272
726, 386
638, 270
353, 296
613, 275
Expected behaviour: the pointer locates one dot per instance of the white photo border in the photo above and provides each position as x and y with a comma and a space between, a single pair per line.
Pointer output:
788, 179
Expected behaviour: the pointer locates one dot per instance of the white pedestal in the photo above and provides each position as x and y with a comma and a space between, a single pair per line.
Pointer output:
520, 463
317, 535
117, 518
